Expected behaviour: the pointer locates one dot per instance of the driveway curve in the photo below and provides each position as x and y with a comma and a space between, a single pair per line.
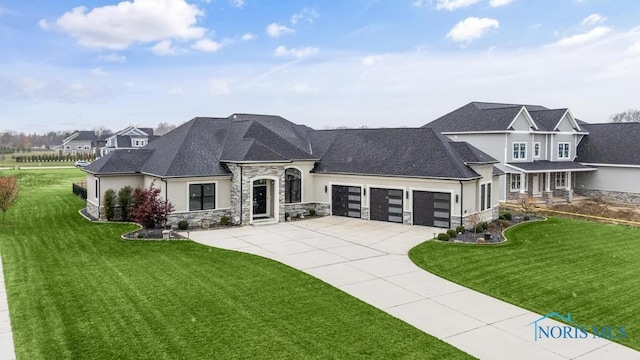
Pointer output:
368, 259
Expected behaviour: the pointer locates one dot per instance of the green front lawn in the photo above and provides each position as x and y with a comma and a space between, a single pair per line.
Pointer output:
76, 290
588, 269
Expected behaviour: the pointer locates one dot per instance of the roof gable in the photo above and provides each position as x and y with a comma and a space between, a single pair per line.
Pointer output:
477, 116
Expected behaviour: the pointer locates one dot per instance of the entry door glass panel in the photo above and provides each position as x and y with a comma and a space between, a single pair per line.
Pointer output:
259, 200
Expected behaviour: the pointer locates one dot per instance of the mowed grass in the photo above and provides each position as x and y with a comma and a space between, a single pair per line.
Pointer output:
77, 291
588, 269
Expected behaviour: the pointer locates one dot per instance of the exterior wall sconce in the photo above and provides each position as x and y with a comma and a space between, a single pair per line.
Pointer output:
325, 189
456, 198
365, 191
407, 195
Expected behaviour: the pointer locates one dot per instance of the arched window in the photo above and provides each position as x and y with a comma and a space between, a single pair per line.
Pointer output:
292, 185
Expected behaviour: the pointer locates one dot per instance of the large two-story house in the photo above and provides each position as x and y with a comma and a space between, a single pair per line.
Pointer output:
79, 142
128, 138
256, 168
536, 147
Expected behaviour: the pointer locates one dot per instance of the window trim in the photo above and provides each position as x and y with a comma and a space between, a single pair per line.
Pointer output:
520, 150
537, 143
511, 183
566, 146
215, 194
286, 183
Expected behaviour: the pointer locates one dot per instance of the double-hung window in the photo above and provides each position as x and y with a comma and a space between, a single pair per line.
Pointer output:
561, 180
519, 151
563, 150
202, 196
515, 182
485, 196
536, 150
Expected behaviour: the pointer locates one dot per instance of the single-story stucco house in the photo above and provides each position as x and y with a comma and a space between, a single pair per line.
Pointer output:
256, 168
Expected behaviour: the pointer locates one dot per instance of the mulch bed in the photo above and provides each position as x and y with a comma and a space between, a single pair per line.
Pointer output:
495, 230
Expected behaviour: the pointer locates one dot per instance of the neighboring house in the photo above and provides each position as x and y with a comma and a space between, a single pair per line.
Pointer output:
128, 138
614, 149
256, 168
79, 142
536, 147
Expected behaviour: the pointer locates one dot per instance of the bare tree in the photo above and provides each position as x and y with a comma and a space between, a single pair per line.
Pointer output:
9, 190
163, 128
630, 115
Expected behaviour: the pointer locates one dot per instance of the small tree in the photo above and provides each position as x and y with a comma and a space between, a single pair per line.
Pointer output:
125, 200
476, 221
109, 202
149, 208
9, 190
528, 204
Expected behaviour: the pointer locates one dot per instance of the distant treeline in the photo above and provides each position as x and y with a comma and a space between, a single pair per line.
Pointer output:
54, 157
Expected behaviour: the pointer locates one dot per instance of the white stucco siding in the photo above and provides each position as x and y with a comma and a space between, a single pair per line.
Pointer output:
406, 184
308, 188
178, 191
606, 178
113, 182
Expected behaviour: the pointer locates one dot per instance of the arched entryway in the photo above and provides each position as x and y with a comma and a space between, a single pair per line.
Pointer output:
264, 201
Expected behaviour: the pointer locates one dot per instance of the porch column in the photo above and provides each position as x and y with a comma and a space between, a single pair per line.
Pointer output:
548, 194
568, 192
523, 179
547, 182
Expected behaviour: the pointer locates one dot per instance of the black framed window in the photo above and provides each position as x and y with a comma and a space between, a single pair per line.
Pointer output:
202, 196
292, 186
482, 197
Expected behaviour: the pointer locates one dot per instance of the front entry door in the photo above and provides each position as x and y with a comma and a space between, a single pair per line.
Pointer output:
536, 185
259, 200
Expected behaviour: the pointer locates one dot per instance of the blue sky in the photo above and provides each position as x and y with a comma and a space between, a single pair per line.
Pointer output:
69, 65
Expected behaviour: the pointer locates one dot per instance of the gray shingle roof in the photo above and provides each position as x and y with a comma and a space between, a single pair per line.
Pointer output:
397, 152
610, 143
479, 116
201, 146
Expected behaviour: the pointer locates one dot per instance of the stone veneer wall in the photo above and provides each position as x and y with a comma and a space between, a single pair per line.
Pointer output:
487, 215
94, 210
303, 208
198, 219
611, 196
241, 189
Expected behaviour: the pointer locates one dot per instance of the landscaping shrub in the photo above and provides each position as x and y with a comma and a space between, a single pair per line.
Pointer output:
312, 212
507, 216
485, 226
460, 229
224, 220
125, 200
443, 237
109, 203
479, 229
452, 234
287, 216
183, 225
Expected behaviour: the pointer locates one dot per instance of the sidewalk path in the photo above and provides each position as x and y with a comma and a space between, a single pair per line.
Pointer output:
7, 350
368, 260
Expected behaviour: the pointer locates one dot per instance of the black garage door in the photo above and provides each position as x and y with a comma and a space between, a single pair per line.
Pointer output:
432, 209
386, 205
345, 201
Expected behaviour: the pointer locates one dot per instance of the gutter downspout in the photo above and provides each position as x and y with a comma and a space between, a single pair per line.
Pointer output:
241, 181
461, 201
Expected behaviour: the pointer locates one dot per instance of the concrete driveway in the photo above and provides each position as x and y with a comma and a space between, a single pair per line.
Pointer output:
368, 259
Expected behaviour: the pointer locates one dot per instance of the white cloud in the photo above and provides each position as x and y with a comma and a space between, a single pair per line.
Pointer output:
219, 87
454, 4
497, 3
372, 60
113, 57
593, 19
165, 48
249, 36
28, 85
303, 88
472, 28
99, 72
634, 48
177, 91
420, 3
207, 45
140, 21
238, 3
583, 38
307, 14
298, 53
276, 30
